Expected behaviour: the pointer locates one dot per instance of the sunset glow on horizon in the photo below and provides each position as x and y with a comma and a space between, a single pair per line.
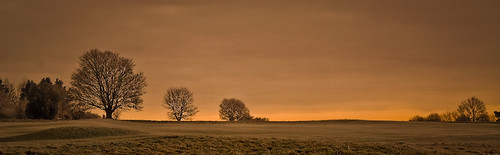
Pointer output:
286, 60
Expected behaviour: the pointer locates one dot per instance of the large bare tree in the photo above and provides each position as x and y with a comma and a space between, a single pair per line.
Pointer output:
233, 110
472, 108
179, 102
106, 81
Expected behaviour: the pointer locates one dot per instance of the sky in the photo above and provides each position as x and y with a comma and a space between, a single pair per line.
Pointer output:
286, 60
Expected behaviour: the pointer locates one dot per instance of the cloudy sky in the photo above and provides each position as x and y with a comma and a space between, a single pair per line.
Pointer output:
287, 60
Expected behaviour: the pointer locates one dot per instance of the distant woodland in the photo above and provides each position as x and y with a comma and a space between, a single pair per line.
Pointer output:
470, 110
106, 81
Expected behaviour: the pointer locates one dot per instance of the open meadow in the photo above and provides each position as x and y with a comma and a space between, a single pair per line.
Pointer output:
313, 137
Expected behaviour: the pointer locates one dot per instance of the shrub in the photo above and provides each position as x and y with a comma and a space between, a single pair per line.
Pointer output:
433, 117
417, 118
463, 118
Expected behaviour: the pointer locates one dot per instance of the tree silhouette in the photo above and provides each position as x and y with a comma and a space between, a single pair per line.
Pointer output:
250, 118
179, 102
8, 99
449, 116
497, 115
471, 109
417, 118
433, 117
43, 99
233, 110
106, 81
65, 107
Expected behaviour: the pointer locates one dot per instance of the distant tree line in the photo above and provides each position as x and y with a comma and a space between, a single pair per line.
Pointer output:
179, 103
105, 81
43, 100
469, 110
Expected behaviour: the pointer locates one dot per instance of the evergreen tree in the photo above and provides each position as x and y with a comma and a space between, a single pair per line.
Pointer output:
43, 99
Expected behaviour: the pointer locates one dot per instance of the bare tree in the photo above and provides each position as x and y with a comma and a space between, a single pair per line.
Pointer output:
8, 99
449, 116
106, 81
433, 117
233, 110
472, 108
179, 102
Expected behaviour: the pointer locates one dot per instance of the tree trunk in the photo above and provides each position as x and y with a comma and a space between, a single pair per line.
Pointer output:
109, 114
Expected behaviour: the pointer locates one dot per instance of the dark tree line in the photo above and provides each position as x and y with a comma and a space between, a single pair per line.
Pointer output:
469, 110
104, 81
43, 100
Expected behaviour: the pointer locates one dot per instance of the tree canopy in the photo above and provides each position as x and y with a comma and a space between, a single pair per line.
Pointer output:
233, 110
179, 102
473, 109
106, 81
43, 98
8, 99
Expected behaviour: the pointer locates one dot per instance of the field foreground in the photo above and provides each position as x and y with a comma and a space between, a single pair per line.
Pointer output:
321, 137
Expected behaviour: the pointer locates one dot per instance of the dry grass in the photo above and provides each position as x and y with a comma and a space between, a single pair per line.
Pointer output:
322, 137
68, 133
227, 145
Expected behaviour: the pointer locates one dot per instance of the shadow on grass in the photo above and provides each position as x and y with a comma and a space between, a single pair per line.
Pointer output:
68, 133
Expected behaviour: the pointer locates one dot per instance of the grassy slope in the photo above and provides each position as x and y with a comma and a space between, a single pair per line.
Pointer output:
68, 133
273, 137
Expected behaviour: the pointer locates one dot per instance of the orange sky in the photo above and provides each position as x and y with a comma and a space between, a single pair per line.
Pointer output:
287, 60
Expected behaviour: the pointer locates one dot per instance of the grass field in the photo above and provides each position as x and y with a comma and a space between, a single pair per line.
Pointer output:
316, 137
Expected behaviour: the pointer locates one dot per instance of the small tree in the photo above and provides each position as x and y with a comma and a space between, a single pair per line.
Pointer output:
260, 119
179, 102
250, 118
433, 117
417, 118
8, 99
472, 108
106, 81
449, 116
233, 110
